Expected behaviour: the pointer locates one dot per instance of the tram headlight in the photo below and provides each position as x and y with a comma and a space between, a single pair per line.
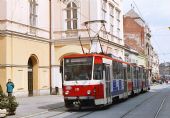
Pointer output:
68, 87
88, 92
67, 92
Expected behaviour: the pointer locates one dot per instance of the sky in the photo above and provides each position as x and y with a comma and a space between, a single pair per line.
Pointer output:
156, 13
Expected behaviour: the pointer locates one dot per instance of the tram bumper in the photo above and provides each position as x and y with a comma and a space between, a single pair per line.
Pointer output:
77, 102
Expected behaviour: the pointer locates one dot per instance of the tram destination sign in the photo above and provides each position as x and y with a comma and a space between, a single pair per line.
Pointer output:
79, 60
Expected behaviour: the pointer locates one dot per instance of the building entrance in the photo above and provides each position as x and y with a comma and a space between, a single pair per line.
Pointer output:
33, 76
30, 77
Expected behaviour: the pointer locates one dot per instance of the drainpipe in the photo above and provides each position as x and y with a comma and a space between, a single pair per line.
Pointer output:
50, 41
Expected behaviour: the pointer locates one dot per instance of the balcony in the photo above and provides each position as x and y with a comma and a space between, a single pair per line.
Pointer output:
71, 37
7, 26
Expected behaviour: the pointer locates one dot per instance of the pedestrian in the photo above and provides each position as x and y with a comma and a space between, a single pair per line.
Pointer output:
10, 87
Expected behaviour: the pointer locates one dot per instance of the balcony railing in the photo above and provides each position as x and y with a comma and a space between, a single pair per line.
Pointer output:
70, 34
13, 26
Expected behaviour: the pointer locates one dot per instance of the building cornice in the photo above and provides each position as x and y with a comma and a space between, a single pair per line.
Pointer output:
21, 24
73, 40
28, 36
4, 31
18, 66
86, 40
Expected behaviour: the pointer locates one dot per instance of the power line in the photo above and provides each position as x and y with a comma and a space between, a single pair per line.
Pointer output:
138, 9
161, 54
80, 15
164, 53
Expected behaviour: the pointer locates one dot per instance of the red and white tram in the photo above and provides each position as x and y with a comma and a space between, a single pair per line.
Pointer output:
98, 80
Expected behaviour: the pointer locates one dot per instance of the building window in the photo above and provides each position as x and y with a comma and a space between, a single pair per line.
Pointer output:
33, 16
111, 19
118, 23
111, 10
104, 9
71, 16
104, 2
111, 29
116, 52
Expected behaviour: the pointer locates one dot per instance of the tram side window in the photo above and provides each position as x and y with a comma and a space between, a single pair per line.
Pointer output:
140, 74
145, 74
128, 72
115, 66
121, 71
142, 71
134, 73
117, 70
124, 73
98, 72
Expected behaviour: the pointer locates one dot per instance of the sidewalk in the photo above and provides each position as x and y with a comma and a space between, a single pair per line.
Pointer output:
36, 104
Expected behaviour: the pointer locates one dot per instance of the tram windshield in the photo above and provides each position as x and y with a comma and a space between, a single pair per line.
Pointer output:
78, 68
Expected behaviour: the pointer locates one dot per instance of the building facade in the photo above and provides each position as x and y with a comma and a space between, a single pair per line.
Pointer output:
164, 70
155, 66
138, 37
134, 36
24, 46
89, 21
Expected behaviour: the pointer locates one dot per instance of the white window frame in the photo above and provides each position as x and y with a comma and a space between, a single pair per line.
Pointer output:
111, 29
104, 9
33, 16
71, 19
111, 8
117, 22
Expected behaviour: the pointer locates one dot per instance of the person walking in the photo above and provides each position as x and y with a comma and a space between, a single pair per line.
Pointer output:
10, 87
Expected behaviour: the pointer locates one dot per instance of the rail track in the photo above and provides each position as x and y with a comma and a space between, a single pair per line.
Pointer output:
78, 114
160, 107
46, 112
156, 114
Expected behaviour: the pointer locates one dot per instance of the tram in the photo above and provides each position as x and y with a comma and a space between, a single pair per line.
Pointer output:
97, 80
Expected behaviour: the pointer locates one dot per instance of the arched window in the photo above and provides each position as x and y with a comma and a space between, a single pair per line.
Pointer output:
33, 15
71, 16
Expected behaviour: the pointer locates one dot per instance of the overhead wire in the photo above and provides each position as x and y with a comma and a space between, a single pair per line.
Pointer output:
160, 56
164, 52
81, 15
90, 29
87, 18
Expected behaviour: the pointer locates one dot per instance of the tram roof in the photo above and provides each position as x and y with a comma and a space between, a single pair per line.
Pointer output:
99, 55
93, 55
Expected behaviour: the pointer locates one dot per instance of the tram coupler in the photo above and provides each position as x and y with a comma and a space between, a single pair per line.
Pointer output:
77, 104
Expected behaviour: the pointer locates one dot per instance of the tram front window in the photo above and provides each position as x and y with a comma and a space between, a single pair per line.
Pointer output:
77, 69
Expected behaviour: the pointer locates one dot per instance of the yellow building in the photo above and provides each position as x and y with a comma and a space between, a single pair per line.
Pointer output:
25, 55
24, 46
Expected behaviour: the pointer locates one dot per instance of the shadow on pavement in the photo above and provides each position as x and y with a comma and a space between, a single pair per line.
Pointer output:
53, 107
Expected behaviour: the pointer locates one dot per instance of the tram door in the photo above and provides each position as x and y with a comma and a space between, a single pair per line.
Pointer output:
108, 91
137, 76
125, 80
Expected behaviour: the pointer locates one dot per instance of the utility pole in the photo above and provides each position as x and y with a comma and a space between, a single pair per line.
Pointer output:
50, 41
